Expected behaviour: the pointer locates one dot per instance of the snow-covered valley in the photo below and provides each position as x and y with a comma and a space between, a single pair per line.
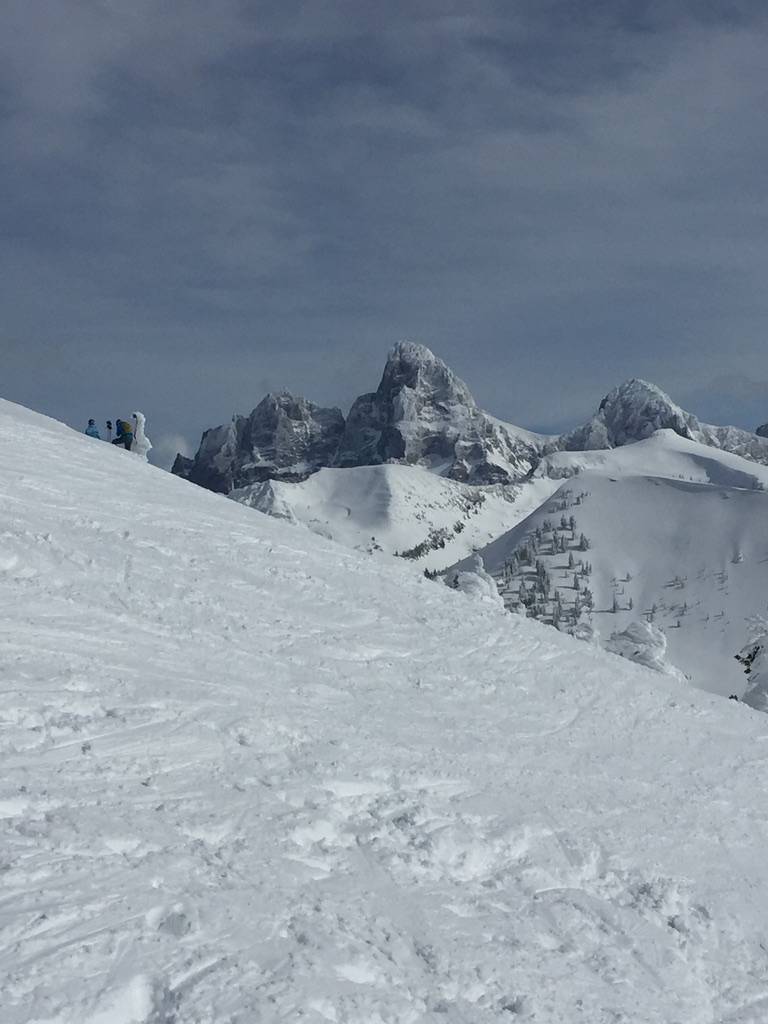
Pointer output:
251, 775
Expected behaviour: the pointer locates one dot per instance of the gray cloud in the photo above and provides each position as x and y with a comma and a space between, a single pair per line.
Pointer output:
211, 198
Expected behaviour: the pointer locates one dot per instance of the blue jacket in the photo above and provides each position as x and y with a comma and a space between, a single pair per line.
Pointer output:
123, 429
93, 431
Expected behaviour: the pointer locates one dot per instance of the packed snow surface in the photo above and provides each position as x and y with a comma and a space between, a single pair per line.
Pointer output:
251, 776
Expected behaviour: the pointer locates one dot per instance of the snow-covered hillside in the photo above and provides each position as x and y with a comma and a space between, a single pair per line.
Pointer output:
403, 510
249, 775
666, 531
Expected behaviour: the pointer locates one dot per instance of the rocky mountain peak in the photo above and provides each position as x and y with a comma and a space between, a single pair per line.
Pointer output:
415, 368
631, 412
285, 437
422, 413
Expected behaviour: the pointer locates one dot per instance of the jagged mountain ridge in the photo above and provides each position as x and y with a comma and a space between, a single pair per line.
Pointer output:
417, 469
423, 414
285, 436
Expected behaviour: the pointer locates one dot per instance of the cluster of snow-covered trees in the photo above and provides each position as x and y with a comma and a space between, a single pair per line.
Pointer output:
440, 535
553, 551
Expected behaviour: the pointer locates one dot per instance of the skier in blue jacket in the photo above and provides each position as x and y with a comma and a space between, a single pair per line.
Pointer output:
124, 434
92, 430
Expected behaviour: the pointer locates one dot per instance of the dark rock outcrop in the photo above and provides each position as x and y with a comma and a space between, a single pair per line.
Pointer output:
182, 466
423, 414
285, 437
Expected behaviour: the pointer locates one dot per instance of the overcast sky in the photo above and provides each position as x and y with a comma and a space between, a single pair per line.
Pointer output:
204, 200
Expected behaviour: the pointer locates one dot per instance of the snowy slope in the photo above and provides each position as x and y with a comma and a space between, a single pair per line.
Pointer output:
399, 509
675, 529
251, 776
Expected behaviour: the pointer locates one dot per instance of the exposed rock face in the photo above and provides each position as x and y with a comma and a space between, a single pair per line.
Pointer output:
734, 439
635, 409
423, 414
762, 431
630, 412
213, 467
285, 437
289, 435
754, 658
182, 466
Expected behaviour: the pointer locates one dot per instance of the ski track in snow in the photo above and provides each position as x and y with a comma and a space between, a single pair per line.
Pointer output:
250, 776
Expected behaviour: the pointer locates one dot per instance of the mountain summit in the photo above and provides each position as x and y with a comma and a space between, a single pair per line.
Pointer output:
636, 409
418, 398
423, 414
285, 437
631, 412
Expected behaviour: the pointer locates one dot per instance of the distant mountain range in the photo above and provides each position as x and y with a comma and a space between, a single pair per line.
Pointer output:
422, 414
643, 529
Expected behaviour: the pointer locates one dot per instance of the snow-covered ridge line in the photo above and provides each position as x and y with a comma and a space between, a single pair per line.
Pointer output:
637, 409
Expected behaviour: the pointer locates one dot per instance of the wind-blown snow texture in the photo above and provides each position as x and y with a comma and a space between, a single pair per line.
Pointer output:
249, 775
